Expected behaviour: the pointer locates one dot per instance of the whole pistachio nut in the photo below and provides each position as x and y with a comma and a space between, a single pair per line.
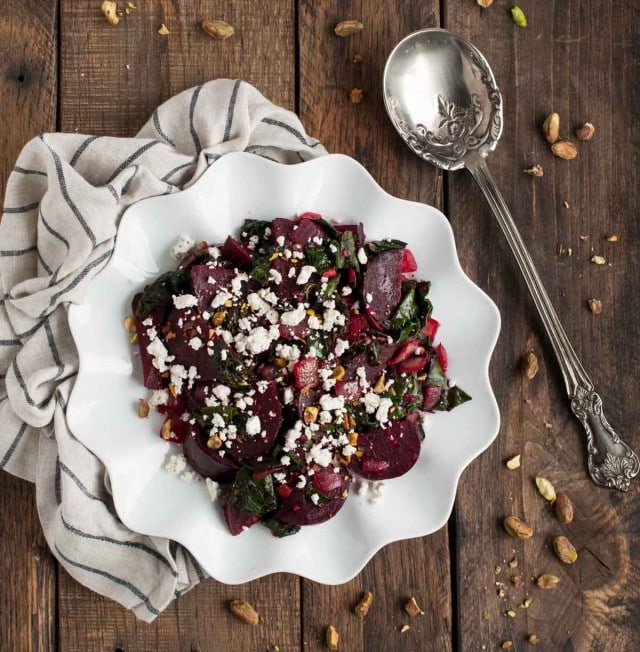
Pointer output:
545, 488
564, 508
551, 127
517, 528
564, 149
348, 27
565, 550
217, 28
548, 581
518, 16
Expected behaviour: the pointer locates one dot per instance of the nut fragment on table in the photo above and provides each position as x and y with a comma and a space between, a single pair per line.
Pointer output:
535, 171
612, 237
517, 581
356, 95
530, 365
485, 3
332, 637
506, 645
565, 550
551, 127
595, 305
109, 10
517, 528
548, 581
163, 30
348, 28
545, 488
364, 604
513, 462
598, 260
585, 132
533, 639
217, 28
404, 629
564, 149
412, 608
244, 611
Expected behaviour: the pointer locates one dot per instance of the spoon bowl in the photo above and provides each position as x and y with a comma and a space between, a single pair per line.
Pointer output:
443, 100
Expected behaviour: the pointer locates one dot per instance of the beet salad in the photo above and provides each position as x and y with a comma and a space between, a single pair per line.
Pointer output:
289, 362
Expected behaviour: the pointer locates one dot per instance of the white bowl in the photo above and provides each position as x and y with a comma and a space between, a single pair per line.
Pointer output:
102, 410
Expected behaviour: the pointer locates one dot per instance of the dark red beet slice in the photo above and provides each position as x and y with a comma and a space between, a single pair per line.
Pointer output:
267, 408
431, 397
192, 258
297, 509
236, 519
206, 461
305, 399
356, 229
350, 389
327, 481
304, 231
287, 288
236, 252
382, 283
281, 227
150, 375
372, 369
356, 325
207, 281
176, 431
305, 373
387, 452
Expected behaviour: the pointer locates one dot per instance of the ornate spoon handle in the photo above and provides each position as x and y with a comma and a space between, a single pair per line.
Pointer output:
611, 462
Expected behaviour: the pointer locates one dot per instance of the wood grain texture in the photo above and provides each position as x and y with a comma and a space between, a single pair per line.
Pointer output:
99, 94
327, 75
28, 40
576, 59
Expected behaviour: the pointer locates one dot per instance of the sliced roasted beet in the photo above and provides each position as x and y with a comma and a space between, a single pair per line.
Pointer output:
387, 452
408, 264
382, 286
183, 328
405, 351
350, 389
431, 397
299, 331
412, 365
207, 461
281, 227
356, 229
443, 358
431, 328
174, 429
150, 375
207, 281
305, 373
174, 407
306, 399
192, 258
304, 231
236, 519
287, 288
297, 509
266, 406
356, 325
236, 252
328, 480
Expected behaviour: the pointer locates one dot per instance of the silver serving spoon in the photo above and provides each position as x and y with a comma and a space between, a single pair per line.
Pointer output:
442, 98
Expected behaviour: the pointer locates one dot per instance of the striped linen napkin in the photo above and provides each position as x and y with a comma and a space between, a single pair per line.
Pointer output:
63, 203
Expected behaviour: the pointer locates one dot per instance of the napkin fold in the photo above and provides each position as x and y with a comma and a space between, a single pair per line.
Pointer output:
63, 202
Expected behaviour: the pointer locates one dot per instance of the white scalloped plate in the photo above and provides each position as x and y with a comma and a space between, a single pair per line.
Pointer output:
103, 406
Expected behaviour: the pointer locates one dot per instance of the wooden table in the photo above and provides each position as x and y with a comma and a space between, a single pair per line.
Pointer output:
64, 68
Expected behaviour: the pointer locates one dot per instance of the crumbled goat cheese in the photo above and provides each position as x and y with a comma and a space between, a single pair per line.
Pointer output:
330, 403
280, 241
293, 317
184, 301
275, 276
292, 272
159, 354
346, 291
382, 413
285, 460
369, 297
253, 425
213, 488
288, 395
315, 499
176, 464
221, 298
319, 455
371, 402
305, 274
195, 343
348, 450
222, 392
178, 375
236, 283
362, 256
158, 397
182, 246
314, 323
341, 346
302, 482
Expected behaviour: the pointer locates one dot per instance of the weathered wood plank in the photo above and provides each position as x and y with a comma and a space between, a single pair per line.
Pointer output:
327, 75
111, 80
578, 60
28, 90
